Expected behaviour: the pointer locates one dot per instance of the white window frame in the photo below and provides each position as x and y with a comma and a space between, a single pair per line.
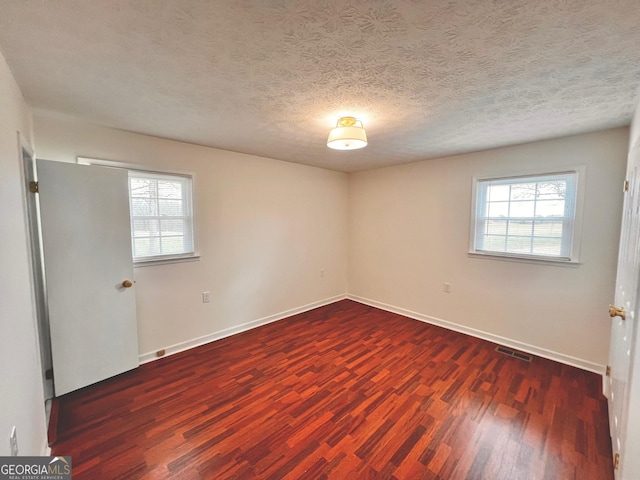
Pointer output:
157, 259
571, 256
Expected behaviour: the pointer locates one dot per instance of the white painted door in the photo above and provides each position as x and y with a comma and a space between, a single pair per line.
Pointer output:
622, 410
86, 239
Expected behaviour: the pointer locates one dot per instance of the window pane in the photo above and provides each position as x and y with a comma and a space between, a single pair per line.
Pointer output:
142, 187
145, 228
550, 208
172, 227
146, 247
523, 191
144, 207
520, 227
498, 193
496, 227
522, 209
498, 209
547, 246
172, 245
170, 207
170, 190
519, 244
547, 229
554, 190
494, 243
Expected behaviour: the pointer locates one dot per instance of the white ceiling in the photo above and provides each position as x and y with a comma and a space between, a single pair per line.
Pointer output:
271, 77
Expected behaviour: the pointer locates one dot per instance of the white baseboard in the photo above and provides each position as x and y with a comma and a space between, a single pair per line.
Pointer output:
227, 332
525, 347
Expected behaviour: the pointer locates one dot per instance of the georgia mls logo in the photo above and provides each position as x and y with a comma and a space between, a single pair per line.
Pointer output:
35, 468
61, 466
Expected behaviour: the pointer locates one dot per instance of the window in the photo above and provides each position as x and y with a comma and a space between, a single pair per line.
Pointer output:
161, 215
530, 216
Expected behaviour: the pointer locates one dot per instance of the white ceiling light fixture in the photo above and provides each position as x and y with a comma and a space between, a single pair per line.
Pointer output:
349, 134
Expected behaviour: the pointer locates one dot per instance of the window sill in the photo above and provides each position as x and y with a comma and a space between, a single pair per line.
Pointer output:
525, 259
165, 260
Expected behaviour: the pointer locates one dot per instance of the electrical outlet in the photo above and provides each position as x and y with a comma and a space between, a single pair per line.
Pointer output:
446, 287
13, 441
206, 297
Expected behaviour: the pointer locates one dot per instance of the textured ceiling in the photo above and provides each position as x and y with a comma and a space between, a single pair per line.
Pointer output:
427, 78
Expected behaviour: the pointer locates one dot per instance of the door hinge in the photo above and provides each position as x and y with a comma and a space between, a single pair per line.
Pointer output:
608, 371
616, 461
625, 187
33, 187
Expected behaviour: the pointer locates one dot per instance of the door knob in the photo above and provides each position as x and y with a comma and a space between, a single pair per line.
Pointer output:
617, 312
127, 283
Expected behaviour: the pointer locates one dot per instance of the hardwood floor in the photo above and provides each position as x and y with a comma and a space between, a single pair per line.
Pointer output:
345, 391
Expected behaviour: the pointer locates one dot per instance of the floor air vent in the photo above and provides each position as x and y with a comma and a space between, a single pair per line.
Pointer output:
513, 353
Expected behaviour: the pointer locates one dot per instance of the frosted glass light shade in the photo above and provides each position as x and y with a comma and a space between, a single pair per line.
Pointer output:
349, 134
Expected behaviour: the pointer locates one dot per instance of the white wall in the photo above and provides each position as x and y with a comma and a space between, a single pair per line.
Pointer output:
265, 230
409, 233
22, 398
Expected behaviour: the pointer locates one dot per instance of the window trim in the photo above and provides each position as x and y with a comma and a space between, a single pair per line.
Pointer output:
574, 256
158, 259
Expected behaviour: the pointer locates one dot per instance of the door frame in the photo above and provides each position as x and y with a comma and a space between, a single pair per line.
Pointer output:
28, 173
